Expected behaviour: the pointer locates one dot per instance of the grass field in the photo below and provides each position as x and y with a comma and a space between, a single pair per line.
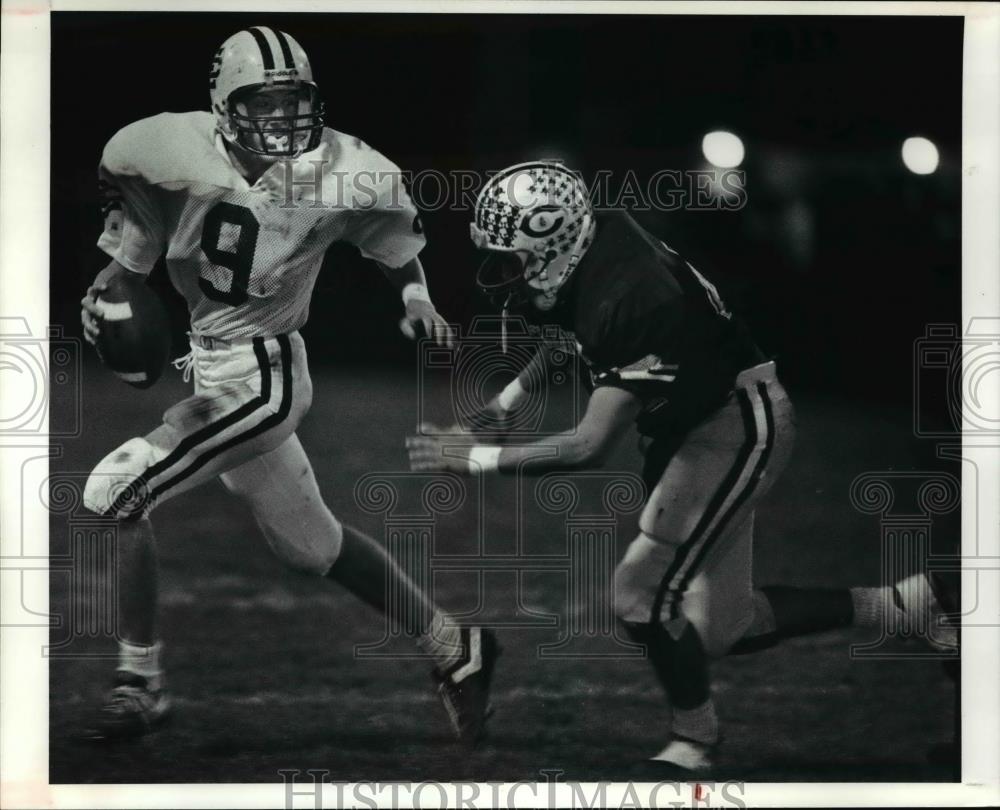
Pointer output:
261, 663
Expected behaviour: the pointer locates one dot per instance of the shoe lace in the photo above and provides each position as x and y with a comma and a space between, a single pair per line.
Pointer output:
185, 364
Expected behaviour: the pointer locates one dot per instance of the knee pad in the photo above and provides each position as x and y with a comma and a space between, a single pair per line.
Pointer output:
718, 626
642, 597
630, 606
115, 487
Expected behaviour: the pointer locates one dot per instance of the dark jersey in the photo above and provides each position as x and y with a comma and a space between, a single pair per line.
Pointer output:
645, 320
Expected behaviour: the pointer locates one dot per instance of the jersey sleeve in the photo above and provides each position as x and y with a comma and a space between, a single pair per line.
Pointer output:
134, 232
387, 225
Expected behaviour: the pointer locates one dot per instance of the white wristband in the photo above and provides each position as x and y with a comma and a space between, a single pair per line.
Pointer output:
484, 458
511, 396
415, 292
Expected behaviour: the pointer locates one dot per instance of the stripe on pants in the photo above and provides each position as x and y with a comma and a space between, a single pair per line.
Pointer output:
266, 424
738, 481
191, 453
761, 465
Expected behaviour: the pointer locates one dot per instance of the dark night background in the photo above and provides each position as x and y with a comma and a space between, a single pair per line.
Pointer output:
838, 261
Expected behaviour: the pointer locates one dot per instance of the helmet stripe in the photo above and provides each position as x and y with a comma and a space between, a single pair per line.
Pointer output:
265, 48
286, 49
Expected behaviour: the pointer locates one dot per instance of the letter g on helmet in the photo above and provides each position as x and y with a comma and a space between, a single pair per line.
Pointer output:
539, 211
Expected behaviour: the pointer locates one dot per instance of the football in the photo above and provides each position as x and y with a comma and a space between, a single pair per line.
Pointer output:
134, 341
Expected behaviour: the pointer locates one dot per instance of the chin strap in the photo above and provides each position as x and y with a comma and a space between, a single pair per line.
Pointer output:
503, 323
581, 245
541, 278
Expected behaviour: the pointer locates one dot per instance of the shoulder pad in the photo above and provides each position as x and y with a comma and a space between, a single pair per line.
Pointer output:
354, 155
166, 148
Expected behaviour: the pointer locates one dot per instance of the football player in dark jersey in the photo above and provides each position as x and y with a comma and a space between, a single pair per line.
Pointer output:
663, 352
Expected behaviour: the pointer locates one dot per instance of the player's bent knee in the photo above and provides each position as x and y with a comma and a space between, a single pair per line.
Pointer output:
718, 633
639, 579
631, 604
716, 641
303, 397
113, 487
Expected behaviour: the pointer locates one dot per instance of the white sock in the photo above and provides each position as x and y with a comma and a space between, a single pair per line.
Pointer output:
141, 659
442, 640
874, 607
699, 724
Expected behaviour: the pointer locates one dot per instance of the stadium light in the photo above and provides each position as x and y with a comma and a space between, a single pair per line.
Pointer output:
920, 155
724, 150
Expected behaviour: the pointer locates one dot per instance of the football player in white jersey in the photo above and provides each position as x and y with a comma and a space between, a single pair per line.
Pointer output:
244, 202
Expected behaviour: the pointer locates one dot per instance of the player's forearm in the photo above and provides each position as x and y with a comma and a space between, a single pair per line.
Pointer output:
108, 272
402, 277
493, 414
516, 391
534, 372
609, 414
562, 451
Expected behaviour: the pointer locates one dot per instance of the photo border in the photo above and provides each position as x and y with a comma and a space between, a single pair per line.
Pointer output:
24, 293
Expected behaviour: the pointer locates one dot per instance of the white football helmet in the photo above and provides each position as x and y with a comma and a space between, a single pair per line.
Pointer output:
251, 66
536, 221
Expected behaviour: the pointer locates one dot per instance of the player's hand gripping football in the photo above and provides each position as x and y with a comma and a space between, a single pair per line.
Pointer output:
422, 315
90, 315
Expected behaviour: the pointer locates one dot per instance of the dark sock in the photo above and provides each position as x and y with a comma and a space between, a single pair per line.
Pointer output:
680, 665
366, 570
799, 611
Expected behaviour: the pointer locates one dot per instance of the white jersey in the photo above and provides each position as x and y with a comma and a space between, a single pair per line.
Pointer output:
246, 257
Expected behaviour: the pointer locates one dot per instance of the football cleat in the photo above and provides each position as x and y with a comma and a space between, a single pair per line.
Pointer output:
131, 709
924, 612
464, 687
693, 757
682, 760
